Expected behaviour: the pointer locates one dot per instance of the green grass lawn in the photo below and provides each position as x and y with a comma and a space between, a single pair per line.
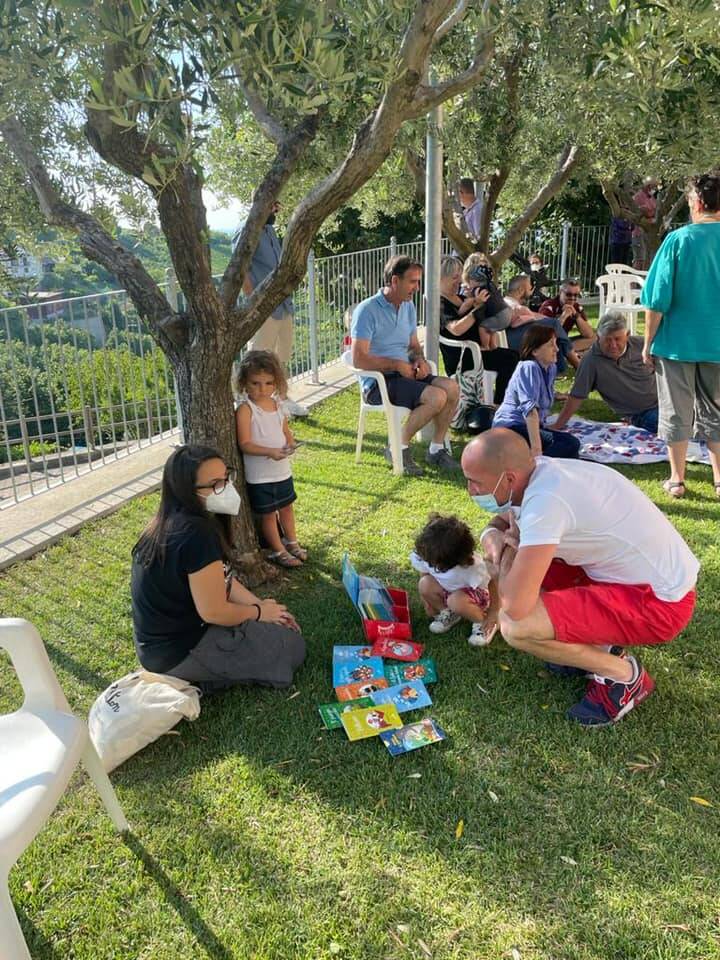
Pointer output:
257, 834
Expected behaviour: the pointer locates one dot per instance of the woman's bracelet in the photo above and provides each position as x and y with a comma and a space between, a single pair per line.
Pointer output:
259, 610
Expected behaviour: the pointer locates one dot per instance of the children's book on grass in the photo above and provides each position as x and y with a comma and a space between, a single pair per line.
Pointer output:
424, 669
370, 721
357, 671
413, 736
351, 691
406, 696
331, 712
385, 611
344, 653
397, 649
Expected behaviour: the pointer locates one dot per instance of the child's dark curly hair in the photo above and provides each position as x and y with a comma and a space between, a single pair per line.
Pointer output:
445, 542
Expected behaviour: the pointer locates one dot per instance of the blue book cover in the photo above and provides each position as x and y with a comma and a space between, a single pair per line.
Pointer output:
344, 654
357, 671
405, 696
413, 736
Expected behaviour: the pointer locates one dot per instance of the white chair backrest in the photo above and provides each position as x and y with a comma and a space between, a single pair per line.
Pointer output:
32, 666
623, 268
619, 289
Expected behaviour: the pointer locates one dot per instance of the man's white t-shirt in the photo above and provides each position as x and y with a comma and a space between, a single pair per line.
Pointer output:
603, 523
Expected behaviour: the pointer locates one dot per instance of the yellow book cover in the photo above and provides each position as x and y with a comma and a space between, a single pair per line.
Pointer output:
370, 721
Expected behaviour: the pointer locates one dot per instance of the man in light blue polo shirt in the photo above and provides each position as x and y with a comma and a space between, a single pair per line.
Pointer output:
384, 338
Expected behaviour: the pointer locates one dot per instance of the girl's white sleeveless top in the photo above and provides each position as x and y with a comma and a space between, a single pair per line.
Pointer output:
266, 429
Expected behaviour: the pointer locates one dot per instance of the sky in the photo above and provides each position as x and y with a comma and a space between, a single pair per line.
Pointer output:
223, 216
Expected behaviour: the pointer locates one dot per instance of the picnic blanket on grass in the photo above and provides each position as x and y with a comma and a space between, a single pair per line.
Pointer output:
620, 443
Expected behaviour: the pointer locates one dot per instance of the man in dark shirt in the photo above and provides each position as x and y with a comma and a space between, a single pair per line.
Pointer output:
614, 367
566, 308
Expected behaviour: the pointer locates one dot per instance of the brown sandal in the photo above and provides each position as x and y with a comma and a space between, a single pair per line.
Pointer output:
676, 488
296, 550
283, 559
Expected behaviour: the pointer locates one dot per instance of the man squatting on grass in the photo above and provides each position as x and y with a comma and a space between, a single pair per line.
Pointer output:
588, 565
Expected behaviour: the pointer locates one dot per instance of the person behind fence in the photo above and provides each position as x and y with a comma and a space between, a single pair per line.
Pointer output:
682, 338
530, 396
384, 338
189, 619
587, 566
522, 317
276, 334
461, 319
456, 582
614, 367
471, 205
267, 443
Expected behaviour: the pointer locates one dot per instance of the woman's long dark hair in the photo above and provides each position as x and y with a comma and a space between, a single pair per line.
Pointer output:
178, 497
535, 336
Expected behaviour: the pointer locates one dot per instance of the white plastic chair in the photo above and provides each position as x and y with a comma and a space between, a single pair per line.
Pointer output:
489, 376
41, 744
624, 268
393, 414
622, 291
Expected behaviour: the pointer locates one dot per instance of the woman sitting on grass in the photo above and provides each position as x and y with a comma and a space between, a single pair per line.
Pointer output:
530, 395
189, 619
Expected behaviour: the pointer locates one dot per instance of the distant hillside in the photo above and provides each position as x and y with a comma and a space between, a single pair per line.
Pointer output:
76, 276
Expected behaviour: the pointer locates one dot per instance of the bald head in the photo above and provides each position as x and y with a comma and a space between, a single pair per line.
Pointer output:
498, 462
497, 450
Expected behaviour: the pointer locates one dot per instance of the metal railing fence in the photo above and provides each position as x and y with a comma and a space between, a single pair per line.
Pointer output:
82, 382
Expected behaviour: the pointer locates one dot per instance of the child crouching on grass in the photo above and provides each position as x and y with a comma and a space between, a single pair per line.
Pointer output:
266, 442
456, 583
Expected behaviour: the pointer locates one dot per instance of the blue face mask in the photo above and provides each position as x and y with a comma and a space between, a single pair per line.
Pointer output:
487, 501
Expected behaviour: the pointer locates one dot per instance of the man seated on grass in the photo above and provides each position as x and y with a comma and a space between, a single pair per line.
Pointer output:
384, 338
588, 565
519, 291
566, 308
614, 367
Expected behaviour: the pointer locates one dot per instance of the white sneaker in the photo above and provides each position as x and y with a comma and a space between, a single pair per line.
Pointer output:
444, 621
291, 408
478, 637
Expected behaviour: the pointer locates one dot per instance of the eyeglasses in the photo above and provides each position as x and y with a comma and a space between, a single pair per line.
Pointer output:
217, 486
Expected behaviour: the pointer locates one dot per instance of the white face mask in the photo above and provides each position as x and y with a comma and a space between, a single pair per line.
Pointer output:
226, 502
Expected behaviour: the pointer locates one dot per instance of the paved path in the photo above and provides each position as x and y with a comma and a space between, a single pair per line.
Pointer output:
30, 526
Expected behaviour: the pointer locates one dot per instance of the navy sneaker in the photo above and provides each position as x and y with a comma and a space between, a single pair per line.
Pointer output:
560, 670
607, 701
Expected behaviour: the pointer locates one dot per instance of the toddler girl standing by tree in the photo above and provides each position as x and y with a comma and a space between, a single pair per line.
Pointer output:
266, 443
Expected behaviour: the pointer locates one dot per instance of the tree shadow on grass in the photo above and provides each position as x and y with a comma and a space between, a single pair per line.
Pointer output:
175, 899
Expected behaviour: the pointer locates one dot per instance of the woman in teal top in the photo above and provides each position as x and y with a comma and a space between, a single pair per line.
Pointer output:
682, 331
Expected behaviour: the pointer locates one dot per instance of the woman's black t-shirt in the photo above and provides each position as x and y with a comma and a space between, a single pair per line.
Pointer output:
166, 623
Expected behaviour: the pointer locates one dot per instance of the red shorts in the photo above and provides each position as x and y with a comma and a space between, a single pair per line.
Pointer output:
586, 611
478, 595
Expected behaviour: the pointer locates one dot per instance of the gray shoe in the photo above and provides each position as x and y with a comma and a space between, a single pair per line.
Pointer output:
409, 466
443, 460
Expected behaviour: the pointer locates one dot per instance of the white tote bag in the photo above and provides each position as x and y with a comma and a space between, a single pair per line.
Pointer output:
137, 709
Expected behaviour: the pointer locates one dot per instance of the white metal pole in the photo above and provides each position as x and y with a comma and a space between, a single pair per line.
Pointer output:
312, 311
564, 250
